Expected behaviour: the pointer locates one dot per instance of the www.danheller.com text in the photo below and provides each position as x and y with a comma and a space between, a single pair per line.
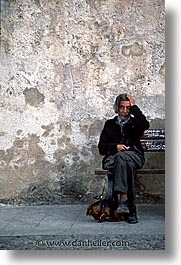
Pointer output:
81, 243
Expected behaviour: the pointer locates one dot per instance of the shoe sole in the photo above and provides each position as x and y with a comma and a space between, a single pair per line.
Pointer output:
133, 222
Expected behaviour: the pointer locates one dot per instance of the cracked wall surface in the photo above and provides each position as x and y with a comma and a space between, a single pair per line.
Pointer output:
62, 65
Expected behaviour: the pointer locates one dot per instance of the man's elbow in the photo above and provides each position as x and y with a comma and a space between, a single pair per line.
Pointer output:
147, 125
101, 151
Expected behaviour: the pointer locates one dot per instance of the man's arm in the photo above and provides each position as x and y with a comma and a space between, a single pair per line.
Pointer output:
104, 144
140, 118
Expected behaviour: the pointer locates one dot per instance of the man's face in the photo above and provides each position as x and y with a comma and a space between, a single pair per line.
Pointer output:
124, 109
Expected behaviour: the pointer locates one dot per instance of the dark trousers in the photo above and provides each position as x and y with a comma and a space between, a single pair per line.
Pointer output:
124, 165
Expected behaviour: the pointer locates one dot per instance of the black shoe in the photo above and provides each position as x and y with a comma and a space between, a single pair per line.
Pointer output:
132, 218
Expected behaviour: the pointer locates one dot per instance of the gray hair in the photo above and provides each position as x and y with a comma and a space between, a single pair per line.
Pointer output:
121, 97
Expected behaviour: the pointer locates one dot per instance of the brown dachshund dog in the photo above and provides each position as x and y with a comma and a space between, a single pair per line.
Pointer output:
105, 210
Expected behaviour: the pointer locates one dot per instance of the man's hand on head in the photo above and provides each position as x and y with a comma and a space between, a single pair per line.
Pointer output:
132, 100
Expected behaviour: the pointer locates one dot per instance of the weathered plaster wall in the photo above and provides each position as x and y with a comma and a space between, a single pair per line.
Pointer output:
62, 65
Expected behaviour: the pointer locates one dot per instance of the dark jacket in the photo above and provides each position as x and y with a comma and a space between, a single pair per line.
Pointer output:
128, 134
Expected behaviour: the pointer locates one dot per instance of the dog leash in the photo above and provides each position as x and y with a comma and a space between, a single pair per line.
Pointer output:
103, 189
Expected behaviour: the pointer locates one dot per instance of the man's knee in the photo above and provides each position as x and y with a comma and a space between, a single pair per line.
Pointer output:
120, 158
